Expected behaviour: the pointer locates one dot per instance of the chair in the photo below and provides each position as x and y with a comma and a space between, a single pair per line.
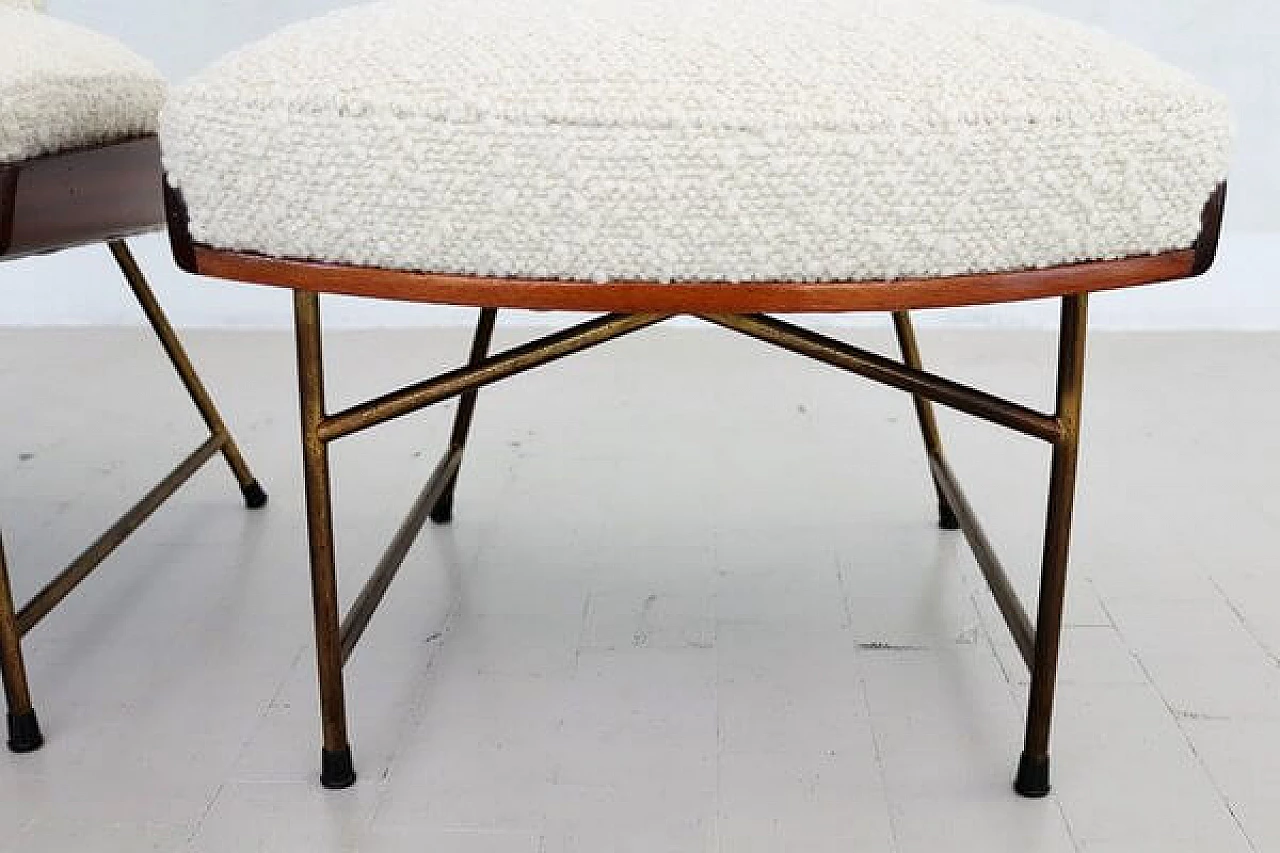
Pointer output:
726, 160
80, 164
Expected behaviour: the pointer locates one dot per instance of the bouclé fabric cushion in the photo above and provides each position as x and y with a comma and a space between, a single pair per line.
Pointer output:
63, 86
714, 140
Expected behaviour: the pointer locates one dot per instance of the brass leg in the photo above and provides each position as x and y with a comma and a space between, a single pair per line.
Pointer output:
338, 771
24, 729
442, 511
1033, 769
335, 640
1039, 644
254, 496
924, 414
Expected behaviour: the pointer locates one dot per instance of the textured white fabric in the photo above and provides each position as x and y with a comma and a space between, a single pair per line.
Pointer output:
695, 140
23, 4
63, 86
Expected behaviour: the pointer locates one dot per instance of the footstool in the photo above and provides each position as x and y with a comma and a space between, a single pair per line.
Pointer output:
726, 159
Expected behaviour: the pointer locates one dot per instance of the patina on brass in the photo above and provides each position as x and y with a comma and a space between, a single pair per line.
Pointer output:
924, 415
336, 637
336, 640
1033, 771
82, 566
186, 372
442, 510
24, 731
485, 372
888, 372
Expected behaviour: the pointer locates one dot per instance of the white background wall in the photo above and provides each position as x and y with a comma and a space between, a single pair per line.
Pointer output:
1232, 44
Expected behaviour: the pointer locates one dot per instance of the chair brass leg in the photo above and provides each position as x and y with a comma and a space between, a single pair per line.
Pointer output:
254, 496
1033, 769
24, 728
924, 414
338, 770
442, 512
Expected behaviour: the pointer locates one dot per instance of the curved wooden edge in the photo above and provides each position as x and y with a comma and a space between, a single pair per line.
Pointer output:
184, 248
8, 201
692, 297
87, 195
695, 297
1210, 230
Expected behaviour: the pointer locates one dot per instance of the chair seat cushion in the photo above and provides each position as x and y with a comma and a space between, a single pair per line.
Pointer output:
63, 87
718, 140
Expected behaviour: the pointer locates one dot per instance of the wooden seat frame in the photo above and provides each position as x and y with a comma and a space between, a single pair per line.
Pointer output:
738, 307
101, 194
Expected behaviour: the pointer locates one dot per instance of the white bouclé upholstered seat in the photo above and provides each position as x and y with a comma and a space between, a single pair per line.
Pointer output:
717, 140
64, 87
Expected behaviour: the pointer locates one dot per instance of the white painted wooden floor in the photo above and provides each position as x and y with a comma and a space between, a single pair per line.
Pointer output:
694, 600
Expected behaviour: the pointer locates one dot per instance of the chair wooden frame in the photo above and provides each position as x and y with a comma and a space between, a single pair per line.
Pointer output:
101, 194
741, 308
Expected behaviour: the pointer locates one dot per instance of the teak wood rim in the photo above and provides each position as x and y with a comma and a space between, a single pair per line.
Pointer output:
694, 297
82, 196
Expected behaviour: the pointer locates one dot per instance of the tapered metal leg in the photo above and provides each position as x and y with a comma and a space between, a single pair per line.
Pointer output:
442, 511
1033, 769
338, 770
254, 496
24, 729
924, 414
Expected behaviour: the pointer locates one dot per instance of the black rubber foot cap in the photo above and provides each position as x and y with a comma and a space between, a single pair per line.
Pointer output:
442, 512
1033, 777
947, 517
336, 769
24, 732
254, 497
